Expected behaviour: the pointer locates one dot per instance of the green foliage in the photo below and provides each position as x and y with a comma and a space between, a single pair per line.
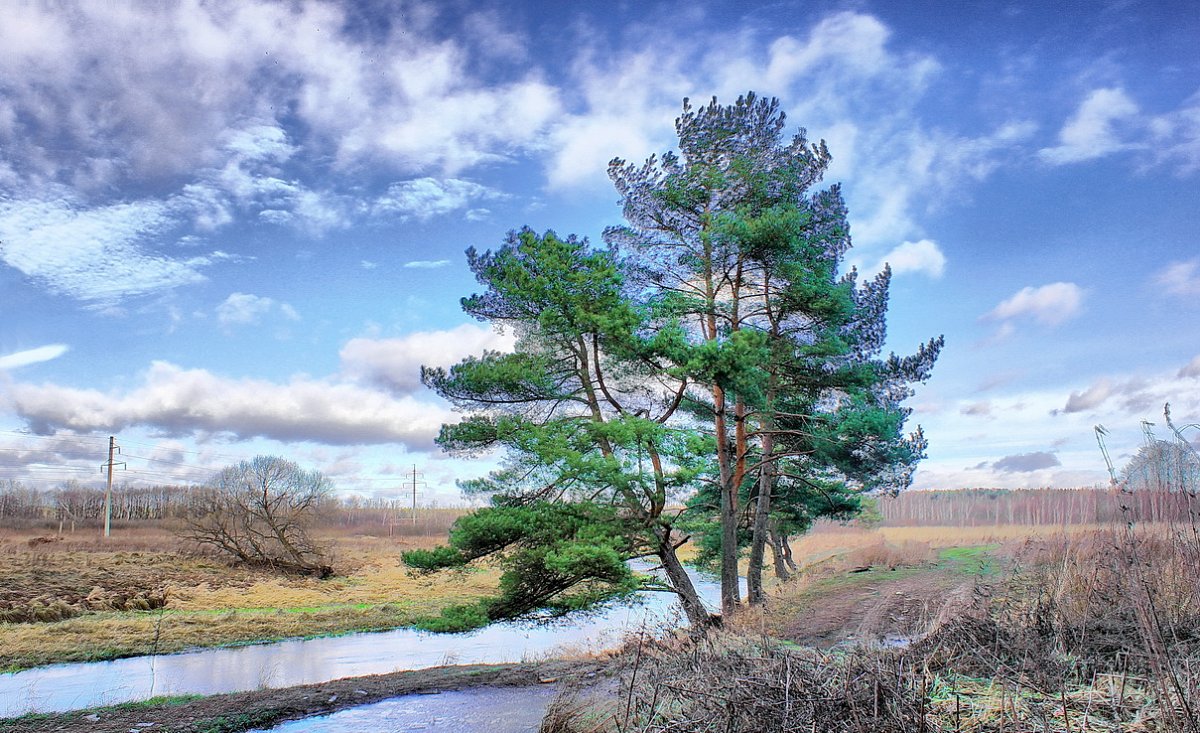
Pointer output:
556, 558
453, 619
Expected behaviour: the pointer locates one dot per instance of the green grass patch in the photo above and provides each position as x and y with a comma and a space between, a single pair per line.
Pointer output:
239, 722
971, 560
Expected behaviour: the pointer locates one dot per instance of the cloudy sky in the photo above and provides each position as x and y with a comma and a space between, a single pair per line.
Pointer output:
230, 228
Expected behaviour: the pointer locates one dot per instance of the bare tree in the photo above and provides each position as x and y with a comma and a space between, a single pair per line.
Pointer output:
260, 511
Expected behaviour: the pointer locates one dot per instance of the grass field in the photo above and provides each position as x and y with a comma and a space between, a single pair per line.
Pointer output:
85, 599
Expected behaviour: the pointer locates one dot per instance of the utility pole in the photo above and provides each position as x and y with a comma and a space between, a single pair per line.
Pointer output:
415, 476
113, 449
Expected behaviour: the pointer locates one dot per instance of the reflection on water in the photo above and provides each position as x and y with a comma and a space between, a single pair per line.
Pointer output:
283, 664
482, 710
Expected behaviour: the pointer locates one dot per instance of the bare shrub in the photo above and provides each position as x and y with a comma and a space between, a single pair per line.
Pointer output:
259, 512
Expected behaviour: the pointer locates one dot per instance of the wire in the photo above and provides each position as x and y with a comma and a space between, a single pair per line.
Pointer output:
169, 463
181, 450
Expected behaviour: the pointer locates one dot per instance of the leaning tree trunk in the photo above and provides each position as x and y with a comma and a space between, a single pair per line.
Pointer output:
781, 569
697, 613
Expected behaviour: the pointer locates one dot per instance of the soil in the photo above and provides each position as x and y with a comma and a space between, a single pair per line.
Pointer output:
264, 708
878, 605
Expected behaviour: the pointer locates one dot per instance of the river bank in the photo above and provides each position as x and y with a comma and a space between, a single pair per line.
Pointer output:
232, 712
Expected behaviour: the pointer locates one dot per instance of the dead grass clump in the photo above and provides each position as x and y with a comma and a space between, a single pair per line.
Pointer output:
1110, 600
731, 684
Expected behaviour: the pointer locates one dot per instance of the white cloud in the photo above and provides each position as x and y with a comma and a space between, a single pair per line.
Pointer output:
426, 264
920, 257
1181, 278
967, 451
1090, 398
425, 198
19, 359
1175, 137
147, 92
181, 402
628, 100
1191, 369
1093, 131
1050, 305
98, 255
250, 182
245, 308
396, 363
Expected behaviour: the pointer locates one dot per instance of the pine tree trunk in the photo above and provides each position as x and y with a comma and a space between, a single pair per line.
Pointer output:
787, 552
697, 614
762, 513
781, 569
729, 549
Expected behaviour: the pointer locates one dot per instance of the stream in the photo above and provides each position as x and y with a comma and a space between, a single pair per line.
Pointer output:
63, 687
479, 710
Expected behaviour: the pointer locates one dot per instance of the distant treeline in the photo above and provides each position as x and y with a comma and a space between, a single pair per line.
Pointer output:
76, 504
981, 507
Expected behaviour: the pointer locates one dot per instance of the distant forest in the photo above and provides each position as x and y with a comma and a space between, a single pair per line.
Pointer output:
982, 507
76, 505
84, 505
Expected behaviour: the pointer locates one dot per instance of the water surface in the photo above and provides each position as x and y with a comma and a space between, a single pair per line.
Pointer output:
481, 710
62, 687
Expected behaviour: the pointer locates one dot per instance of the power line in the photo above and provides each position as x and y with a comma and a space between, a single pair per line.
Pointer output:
228, 456
170, 463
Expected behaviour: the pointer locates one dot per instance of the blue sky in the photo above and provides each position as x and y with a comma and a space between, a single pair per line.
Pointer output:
230, 228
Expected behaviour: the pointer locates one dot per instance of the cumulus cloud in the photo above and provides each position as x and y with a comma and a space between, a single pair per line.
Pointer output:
1026, 462
1137, 395
396, 363
424, 198
244, 309
920, 257
181, 402
629, 99
1094, 130
148, 91
1181, 278
1050, 305
18, 359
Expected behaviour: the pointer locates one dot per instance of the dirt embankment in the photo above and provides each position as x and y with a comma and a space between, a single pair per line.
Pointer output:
263, 708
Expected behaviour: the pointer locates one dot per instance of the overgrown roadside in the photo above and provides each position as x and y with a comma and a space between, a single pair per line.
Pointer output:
1093, 632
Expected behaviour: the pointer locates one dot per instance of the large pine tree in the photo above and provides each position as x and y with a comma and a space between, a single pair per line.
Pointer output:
714, 351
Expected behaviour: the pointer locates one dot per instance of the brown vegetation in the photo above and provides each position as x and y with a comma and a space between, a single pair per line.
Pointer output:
1063, 632
145, 592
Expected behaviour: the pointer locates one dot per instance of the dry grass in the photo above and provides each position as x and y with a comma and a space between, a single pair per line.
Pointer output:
1088, 631
85, 598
